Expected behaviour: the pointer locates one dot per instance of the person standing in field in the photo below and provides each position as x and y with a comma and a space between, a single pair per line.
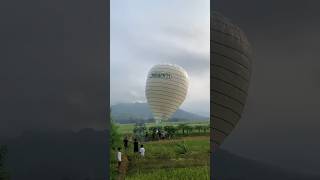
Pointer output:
135, 146
125, 143
119, 157
159, 135
146, 138
153, 135
142, 150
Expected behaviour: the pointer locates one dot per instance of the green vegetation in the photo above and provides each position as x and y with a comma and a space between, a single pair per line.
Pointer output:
115, 141
183, 156
183, 153
190, 173
3, 171
128, 128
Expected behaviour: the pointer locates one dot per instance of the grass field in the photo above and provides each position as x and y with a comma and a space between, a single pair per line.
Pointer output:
190, 173
164, 160
128, 128
184, 157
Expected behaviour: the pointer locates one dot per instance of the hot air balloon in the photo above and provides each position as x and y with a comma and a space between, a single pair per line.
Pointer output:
166, 89
231, 57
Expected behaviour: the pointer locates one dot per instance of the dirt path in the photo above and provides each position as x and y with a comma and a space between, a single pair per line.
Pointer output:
123, 168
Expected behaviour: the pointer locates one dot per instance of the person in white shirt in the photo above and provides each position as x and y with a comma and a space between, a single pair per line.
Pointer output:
119, 157
142, 150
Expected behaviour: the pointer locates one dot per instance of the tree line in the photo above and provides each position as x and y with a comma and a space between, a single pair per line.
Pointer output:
168, 131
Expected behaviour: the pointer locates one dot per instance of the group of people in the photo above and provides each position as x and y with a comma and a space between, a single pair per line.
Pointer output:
156, 135
136, 149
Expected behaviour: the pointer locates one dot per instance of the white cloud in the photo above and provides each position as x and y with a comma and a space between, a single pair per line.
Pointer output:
145, 33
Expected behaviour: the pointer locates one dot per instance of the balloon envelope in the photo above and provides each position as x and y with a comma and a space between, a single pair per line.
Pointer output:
166, 89
230, 55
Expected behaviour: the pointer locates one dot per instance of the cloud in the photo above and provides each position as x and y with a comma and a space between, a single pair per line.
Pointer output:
178, 34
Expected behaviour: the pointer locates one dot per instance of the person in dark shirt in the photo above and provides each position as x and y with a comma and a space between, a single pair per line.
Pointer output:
159, 134
125, 143
135, 146
153, 135
146, 138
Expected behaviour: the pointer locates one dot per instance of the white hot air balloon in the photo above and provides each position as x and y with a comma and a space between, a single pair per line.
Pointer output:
231, 59
166, 89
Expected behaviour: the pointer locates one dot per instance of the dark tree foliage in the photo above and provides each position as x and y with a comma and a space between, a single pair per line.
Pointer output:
4, 175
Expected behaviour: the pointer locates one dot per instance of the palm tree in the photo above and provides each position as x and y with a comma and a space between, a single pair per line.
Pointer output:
199, 128
182, 127
189, 129
205, 128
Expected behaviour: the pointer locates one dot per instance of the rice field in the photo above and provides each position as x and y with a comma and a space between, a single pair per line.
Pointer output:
185, 157
190, 173
166, 159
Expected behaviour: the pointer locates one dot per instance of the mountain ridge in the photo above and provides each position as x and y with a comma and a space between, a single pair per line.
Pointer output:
133, 112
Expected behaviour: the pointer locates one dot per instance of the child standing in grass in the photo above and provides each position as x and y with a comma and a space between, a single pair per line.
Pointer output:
119, 157
142, 150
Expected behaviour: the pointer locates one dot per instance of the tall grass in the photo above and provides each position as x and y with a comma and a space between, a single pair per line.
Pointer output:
190, 152
191, 173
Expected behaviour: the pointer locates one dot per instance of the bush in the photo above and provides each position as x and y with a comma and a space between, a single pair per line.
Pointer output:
3, 171
182, 148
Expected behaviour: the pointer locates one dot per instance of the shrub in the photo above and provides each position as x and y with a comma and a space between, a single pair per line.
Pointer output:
182, 148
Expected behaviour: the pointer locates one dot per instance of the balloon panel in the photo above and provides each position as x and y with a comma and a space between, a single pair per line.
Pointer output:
166, 89
230, 55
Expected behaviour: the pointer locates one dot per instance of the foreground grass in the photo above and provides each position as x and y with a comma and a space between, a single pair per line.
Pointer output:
163, 160
191, 173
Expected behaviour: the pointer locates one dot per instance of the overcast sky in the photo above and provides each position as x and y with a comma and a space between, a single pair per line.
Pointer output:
145, 33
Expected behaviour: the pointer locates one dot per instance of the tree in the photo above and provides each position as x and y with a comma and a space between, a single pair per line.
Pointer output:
182, 127
139, 131
115, 142
115, 137
152, 129
3, 171
170, 130
199, 128
205, 128
189, 129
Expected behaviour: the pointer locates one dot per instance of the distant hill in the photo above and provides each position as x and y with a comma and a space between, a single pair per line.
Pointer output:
228, 166
132, 112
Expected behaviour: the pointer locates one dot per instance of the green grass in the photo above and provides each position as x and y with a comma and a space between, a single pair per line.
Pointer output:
183, 157
190, 173
164, 160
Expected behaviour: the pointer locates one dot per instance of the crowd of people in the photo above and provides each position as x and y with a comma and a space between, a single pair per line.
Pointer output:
136, 149
155, 135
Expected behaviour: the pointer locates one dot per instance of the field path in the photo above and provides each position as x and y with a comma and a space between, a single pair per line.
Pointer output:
123, 168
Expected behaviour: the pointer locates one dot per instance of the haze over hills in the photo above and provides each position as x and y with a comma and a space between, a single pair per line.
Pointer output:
132, 112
